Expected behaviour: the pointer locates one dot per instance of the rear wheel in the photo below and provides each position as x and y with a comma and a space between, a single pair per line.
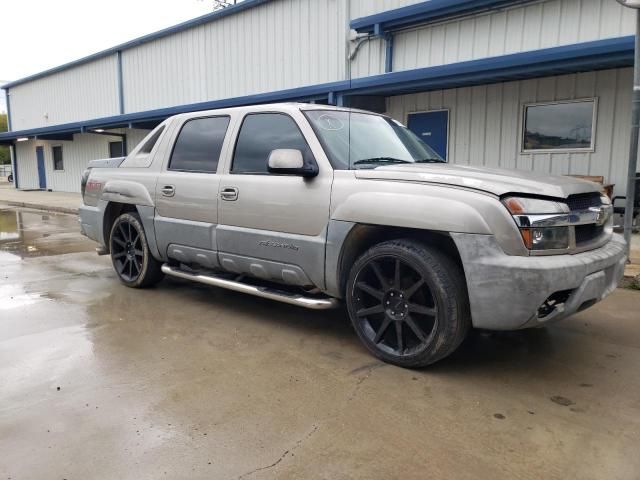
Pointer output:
130, 253
408, 303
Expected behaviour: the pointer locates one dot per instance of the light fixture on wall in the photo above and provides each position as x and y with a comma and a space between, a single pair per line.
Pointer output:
22, 139
99, 130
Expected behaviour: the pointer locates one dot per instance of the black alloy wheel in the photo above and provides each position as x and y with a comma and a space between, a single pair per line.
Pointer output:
395, 305
407, 303
126, 251
130, 254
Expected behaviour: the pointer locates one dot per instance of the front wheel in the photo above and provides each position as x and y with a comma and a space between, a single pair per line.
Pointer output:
408, 303
130, 253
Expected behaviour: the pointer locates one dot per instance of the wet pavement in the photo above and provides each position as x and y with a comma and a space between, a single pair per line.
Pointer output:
185, 381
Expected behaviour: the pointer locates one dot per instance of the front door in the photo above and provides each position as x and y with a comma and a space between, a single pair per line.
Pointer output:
273, 226
187, 192
42, 176
432, 128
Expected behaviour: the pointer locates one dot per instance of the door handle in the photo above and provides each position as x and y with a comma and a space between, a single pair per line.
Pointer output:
168, 190
230, 194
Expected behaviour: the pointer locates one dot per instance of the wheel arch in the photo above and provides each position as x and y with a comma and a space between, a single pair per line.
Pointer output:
361, 237
114, 209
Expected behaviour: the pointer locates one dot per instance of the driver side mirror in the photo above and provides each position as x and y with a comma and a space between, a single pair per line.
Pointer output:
285, 161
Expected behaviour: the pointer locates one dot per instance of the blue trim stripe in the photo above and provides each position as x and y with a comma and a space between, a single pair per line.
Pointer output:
314, 92
425, 12
597, 55
204, 19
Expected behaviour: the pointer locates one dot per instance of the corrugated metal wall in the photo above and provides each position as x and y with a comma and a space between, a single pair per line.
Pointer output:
516, 29
84, 92
486, 122
76, 155
275, 46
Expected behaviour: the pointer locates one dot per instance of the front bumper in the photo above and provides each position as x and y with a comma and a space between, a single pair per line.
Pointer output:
506, 292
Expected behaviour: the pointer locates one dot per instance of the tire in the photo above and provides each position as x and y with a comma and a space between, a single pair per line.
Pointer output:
10, 178
130, 255
408, 303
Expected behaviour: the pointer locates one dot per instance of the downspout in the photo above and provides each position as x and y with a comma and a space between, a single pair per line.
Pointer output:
7, 95
120, 83
14, 163
121, 98
388, 58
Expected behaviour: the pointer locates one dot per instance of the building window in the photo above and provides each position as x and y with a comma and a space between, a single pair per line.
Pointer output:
260, 134
559, 126
199, 144
58, 161
116, 149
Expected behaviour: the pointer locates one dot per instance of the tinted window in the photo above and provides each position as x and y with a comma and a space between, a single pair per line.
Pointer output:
149, 144
559, 126
58, 161
115, 150
260, 134
199, 143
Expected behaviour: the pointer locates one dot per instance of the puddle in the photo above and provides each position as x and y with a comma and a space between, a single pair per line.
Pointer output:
27, 233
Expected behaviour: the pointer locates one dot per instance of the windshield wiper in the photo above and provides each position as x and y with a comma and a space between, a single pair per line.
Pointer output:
430, 160
381, 160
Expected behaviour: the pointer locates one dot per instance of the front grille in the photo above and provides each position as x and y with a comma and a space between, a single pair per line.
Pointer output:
583, 201
587, 233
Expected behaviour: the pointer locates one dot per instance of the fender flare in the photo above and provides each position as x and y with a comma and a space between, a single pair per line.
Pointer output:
124, 191
424, 212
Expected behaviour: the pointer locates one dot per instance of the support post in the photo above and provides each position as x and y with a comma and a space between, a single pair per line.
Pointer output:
633, 148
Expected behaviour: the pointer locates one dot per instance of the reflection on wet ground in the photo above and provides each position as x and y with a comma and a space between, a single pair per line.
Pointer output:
185, 381
29, 233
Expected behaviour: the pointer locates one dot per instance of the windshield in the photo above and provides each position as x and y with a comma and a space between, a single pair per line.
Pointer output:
355, 140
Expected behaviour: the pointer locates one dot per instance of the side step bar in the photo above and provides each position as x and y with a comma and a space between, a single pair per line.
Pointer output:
264, 292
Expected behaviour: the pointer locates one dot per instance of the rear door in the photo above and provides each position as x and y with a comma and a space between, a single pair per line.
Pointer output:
187, 192
273, 226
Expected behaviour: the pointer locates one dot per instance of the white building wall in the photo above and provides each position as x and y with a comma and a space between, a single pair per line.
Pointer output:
278, 45
515, 29
76, 155
485, 122
83, 92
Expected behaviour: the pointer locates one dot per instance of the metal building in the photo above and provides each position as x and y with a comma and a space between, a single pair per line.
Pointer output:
532, 84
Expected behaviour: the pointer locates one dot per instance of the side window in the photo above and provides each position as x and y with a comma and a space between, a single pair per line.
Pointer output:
58, 161
199, 144
149, 144
260, 134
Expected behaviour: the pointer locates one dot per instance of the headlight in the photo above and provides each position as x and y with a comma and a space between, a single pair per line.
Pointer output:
539, 237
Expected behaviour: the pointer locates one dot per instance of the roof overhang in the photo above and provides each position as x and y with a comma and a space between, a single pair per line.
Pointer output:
426, 12
580, 57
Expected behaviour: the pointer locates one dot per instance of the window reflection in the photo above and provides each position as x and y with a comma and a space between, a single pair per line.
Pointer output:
559, 126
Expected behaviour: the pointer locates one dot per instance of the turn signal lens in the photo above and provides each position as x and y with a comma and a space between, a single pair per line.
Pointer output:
529, 206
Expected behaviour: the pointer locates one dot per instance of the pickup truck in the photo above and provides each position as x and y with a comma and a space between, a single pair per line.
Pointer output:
319, 206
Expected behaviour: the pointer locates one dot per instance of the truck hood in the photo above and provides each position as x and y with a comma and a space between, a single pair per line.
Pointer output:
491, 180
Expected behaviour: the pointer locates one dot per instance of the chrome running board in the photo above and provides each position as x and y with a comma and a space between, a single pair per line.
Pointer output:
264, 292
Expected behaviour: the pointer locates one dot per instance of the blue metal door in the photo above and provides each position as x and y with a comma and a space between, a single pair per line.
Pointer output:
432, 128
42, 177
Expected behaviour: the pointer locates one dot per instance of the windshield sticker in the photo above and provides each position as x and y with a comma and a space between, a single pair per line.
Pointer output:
329, 122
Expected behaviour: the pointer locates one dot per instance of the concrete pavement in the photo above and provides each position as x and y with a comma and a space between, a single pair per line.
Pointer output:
49, 201
184, 381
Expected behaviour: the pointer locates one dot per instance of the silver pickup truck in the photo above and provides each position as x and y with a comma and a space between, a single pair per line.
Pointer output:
314, 205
